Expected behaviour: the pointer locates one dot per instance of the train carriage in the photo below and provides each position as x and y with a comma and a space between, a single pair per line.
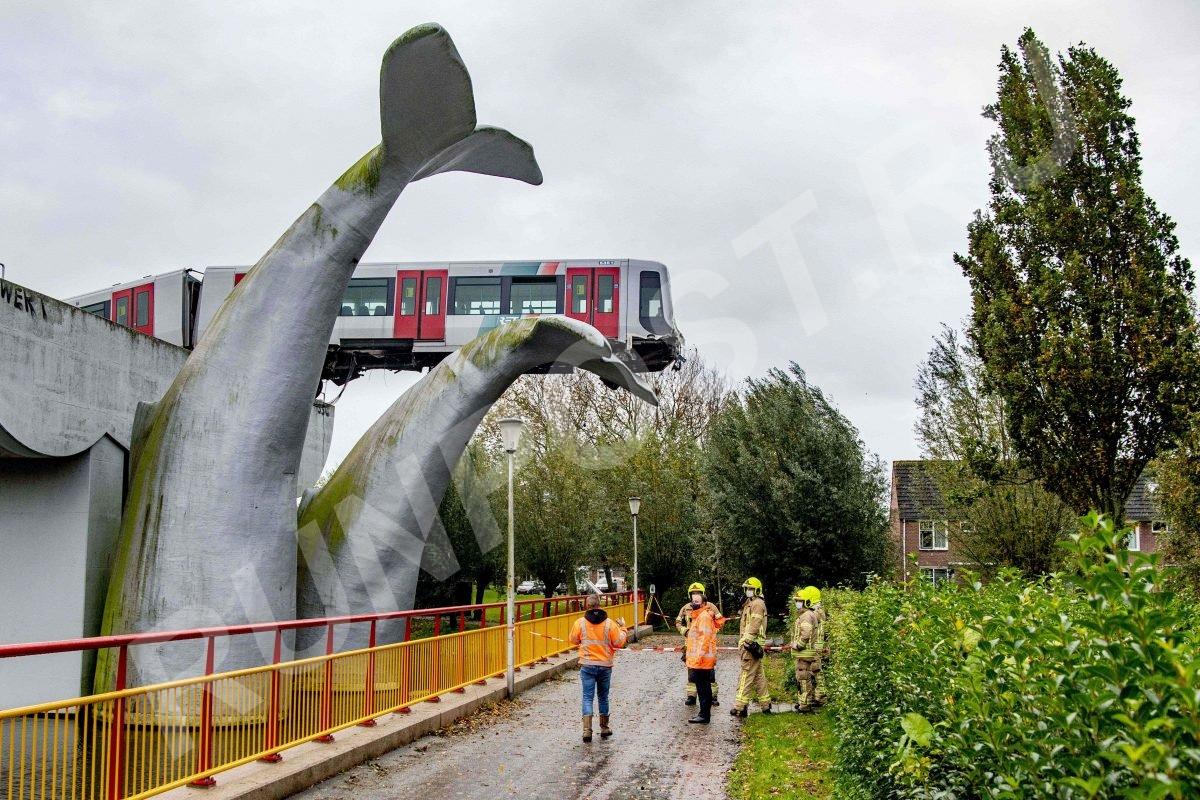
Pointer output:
411, 315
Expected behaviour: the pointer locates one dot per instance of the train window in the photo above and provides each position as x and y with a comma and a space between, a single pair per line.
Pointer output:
99, 309
408, 297
579, 294
433, 297
650, 310
604, 294
367, 297
477, 296
142, 313
122, 311
534, 296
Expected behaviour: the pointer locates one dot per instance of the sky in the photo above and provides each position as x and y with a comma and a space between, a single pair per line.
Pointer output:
806, 172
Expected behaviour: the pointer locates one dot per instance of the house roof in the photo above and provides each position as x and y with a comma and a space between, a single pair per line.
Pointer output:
917, 495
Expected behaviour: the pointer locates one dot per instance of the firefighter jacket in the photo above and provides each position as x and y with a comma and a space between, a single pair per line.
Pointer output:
598, 638
753, 625
703, 624
808, 634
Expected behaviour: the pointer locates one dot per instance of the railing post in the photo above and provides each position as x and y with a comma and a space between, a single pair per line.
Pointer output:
462, 621
116, 734
406, 669
204, 752
271, 726
436, 661
369, 691
327, 689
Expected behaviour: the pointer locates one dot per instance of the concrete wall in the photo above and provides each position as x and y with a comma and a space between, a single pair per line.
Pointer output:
60, 519
70, 383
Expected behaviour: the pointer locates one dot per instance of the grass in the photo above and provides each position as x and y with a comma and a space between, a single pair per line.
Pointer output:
786, 756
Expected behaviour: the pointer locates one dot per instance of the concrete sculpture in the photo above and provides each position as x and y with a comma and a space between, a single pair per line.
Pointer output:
363, 534
208, 534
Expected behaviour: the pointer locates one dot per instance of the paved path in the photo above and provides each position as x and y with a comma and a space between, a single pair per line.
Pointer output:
531, 749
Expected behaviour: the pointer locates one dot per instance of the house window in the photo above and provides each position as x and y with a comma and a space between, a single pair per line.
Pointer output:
1158, 527
367, 297
534, 296
476, 296
937, 575
1134, 541
934, 535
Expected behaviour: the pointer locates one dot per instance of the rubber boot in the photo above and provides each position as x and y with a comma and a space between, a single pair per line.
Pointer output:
605, 731
587, 727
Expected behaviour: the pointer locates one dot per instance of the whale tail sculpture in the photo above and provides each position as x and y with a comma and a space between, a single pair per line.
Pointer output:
208, 532
363, 535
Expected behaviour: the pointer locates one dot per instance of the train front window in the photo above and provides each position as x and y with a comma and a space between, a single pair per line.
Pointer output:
366, 297
142, 314
579, 294
650, 311
408, 297
477, 296
534, 296
604, 294
99, 309
433, 297
122, 311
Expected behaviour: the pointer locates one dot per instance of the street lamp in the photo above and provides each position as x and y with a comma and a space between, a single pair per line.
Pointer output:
510, 434
635, 505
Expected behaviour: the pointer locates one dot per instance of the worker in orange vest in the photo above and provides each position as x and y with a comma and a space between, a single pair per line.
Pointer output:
701, 653
598, 638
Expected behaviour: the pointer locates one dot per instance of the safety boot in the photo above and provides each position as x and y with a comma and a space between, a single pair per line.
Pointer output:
605, 731
690, 701
738, 712
587, 727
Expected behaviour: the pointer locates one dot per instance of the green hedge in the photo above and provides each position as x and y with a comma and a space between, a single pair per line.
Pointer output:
1079, 686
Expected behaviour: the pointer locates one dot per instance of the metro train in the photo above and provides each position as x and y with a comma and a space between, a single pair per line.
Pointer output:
409, 316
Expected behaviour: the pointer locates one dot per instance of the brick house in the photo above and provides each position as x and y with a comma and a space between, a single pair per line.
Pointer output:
919, 522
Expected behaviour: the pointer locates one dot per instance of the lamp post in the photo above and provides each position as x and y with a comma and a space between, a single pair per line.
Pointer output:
510, 433
635, 505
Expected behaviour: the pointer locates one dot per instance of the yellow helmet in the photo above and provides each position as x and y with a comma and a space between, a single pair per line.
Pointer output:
697, 587
810, 595
753, 583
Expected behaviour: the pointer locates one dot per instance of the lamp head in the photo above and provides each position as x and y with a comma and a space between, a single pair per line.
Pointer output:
510, 432
635, 504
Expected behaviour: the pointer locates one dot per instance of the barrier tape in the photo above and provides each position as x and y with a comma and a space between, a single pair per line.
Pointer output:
669, 649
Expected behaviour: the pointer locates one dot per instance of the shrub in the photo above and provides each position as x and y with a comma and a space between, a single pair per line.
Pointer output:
1081, 685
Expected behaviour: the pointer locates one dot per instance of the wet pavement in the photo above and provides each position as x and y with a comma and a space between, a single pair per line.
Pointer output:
531, 749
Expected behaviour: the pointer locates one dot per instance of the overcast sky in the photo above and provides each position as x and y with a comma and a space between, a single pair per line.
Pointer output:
141, 137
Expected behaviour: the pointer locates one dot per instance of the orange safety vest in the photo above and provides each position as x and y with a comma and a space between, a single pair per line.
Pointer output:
702, 637
598, 642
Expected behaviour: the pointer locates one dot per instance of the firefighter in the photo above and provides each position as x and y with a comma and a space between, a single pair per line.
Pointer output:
697, 601
597, 637
700, 653
752, 636
808, 642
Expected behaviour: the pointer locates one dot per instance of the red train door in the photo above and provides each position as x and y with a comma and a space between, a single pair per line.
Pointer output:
143, 309
432, 323
407, 298
579, 294
120, 306
606, 300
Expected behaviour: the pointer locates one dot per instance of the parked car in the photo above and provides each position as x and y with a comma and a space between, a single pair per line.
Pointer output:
527, 587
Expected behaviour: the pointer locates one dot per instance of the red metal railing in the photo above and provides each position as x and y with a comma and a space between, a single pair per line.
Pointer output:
112, 715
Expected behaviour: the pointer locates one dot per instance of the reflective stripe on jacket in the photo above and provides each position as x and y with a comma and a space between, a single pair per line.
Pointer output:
597, 642
703, 624
753, 625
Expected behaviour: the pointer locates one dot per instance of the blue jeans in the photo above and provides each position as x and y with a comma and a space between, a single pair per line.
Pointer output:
595, 680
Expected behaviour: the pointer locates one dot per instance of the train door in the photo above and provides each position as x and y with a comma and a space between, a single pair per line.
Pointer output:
143, 309
579, 294
120, 306
606, 302
432, 323
408, 283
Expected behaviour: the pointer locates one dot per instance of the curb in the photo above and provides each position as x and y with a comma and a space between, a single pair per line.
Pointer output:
306, 765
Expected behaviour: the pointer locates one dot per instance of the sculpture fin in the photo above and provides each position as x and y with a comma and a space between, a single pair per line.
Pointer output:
487, 151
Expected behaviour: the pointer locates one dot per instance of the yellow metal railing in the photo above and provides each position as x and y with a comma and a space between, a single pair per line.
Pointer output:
142, 741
